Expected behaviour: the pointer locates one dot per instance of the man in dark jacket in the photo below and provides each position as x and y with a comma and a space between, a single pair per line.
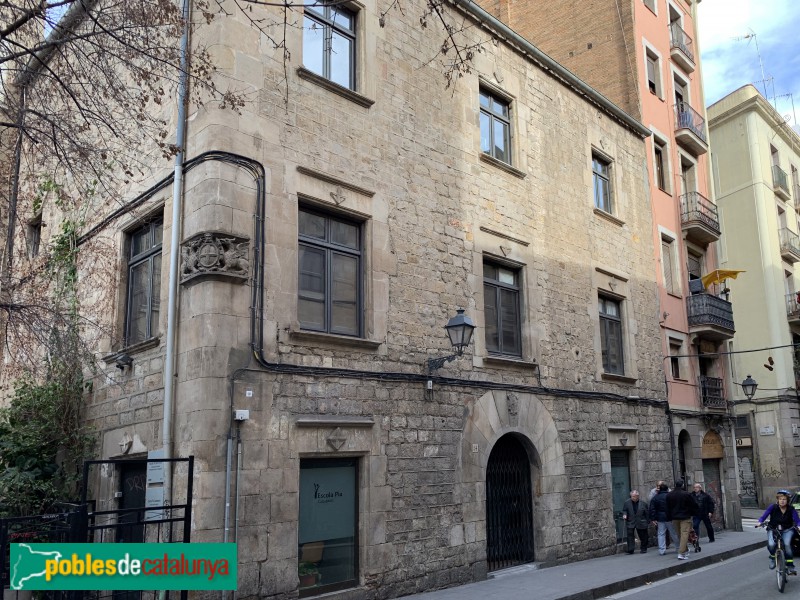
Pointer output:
658, 514
680, 510
634, 512
705, 508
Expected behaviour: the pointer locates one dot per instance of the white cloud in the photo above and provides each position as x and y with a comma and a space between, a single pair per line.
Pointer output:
728, 63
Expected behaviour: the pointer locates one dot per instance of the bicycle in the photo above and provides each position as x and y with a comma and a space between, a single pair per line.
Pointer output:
780, 555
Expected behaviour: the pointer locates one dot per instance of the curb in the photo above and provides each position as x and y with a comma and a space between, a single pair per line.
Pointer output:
666, 572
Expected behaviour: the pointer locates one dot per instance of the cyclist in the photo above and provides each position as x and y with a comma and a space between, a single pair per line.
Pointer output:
783, 514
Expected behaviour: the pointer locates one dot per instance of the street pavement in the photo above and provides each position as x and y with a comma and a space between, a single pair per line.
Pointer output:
601, 577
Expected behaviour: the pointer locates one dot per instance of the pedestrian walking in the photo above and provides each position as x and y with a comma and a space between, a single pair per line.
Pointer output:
705, 509
654, 491
680, 510
658, 515
634, 513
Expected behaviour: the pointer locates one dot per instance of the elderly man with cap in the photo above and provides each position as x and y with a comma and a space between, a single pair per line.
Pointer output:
634, 512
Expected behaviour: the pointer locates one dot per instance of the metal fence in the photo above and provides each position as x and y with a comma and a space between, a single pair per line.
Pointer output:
81, 522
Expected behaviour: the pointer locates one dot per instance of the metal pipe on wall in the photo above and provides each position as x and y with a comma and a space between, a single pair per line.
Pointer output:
174, 254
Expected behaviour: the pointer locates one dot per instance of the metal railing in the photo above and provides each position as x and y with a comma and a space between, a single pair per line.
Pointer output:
705, 309
688, 118
711, 392
681, 41
793, 304
780, 179
789, 241
696, 207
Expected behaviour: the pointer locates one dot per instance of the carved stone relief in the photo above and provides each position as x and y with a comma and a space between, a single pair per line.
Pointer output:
217, 255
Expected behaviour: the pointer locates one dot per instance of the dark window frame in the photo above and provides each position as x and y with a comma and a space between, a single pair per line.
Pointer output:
601, 173
608, 323
136, 260
499, 287
331, 249
324, 16
493, 115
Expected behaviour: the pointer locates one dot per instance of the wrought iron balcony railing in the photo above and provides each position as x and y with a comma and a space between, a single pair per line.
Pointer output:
711, 393
780, 179
681, 41
705, 309
793, 305
688, 118
790, 244
696, 207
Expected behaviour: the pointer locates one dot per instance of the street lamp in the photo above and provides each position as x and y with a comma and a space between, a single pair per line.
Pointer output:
749, 387
459, 330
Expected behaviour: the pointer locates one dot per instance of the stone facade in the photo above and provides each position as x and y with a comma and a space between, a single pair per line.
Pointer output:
644, 56
400, 157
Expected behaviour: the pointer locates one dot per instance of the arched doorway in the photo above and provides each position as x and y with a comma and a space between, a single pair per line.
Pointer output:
509, 505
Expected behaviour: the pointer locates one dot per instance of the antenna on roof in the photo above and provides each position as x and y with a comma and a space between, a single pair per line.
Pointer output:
752, 36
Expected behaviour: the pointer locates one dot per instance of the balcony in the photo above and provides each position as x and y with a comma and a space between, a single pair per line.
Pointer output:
793, 307
790, 245
710, 317
780, 183
681, 48
699, 218
711, 393
690, 129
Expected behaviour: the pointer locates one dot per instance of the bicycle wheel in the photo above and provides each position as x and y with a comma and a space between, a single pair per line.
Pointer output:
780, 570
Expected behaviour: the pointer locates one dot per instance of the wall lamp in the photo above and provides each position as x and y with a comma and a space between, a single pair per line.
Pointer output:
459, 330
749, 387
123, 360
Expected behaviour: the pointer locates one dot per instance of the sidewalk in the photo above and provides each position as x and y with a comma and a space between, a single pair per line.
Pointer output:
600, 577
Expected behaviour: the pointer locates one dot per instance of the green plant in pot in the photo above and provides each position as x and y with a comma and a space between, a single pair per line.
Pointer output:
308, 573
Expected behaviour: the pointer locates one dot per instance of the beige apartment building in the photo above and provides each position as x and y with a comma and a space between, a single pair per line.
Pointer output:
644, 56
326, 236
756, 157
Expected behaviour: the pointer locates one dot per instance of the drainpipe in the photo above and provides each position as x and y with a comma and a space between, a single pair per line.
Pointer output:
174, 253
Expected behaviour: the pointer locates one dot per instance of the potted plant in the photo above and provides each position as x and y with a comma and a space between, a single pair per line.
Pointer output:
308, 573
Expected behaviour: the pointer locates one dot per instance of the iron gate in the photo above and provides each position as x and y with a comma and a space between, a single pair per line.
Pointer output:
509, 510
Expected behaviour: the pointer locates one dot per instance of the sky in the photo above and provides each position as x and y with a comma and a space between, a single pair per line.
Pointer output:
729, 63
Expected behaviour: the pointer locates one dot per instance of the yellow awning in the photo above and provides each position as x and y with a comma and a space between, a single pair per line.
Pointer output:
717, 275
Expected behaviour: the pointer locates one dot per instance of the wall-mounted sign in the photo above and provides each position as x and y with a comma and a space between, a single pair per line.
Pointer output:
767, 430
744, 442
712, 446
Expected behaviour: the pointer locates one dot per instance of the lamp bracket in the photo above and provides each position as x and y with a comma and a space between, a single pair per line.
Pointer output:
438, 363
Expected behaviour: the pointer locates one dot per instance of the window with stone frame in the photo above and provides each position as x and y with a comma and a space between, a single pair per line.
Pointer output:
660, 164
329, 42
501, 301
495, 122
675, 352
653, 68
610, 311
34, 236
668, 263
330, 273
601, 182
144, 282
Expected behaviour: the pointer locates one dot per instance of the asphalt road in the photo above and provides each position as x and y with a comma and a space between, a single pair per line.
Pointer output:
746, 577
